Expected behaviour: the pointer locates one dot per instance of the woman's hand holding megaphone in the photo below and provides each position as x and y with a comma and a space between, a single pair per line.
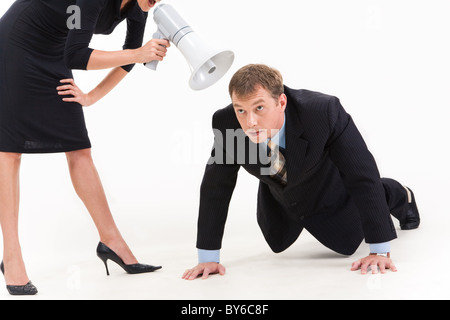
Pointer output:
155, 49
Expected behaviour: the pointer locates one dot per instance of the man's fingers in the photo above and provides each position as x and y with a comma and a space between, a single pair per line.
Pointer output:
204, 269
374, 262
374, 268
190, 274
393, 267
206, 273
194, 274
364, 267
356, 265
222, 270
382, 268
186, 274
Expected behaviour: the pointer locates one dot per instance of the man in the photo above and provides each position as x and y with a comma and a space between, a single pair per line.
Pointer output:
315, 173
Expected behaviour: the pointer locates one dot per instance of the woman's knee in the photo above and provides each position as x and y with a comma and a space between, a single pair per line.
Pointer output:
10, 158
74, 157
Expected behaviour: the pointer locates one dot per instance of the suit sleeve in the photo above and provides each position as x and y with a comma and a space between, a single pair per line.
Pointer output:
217, 188
360, 174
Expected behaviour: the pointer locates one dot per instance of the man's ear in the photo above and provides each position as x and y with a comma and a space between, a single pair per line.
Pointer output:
283, 102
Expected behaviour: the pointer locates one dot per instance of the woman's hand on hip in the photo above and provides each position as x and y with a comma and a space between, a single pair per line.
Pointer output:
70, 88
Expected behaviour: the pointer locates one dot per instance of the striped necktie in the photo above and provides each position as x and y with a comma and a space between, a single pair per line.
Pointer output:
278, 163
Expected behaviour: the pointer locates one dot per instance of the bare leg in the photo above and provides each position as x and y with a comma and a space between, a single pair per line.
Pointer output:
88, 186
15, 273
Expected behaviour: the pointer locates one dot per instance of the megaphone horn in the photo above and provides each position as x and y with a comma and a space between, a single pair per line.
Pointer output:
208, 65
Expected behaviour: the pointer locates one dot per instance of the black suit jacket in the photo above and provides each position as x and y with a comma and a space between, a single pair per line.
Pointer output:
334, 188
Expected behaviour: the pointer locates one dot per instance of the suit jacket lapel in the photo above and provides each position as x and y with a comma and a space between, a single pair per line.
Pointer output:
296, 147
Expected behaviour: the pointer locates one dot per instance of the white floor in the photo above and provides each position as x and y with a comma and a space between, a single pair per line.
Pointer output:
394, 82
62, 263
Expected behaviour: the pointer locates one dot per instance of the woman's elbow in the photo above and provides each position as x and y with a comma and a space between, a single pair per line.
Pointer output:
77, 59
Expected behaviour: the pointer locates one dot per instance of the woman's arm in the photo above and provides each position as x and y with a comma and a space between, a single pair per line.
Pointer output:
79, 56
87, 99
154, 50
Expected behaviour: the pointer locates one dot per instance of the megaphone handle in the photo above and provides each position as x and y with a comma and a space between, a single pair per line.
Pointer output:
154, 64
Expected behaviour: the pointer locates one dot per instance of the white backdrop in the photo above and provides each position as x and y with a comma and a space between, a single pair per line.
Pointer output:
386, 60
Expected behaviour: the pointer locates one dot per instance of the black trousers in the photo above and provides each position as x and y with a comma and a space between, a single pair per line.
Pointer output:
345, 226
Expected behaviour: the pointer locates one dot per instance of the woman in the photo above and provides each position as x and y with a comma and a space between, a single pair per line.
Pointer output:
41, 107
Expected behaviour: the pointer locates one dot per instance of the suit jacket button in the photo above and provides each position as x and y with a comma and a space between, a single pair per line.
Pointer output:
293, 204
302, 218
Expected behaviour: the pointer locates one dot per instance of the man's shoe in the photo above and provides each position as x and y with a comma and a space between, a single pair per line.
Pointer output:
412, 219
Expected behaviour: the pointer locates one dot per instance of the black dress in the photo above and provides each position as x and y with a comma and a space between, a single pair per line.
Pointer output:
39, 46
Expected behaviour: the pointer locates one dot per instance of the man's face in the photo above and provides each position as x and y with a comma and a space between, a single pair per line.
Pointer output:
259, 114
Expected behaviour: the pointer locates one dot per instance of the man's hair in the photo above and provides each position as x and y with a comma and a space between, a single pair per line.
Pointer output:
246, 80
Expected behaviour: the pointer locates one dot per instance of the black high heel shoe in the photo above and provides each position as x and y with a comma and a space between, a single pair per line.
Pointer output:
105, 253
27, 290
